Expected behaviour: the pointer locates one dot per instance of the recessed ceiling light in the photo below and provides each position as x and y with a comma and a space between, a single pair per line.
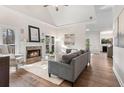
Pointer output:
87, 29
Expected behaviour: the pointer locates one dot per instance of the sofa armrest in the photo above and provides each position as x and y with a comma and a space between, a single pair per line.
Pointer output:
78, 64
62, 70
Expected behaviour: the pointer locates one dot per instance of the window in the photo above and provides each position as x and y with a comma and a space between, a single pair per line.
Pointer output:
9, 39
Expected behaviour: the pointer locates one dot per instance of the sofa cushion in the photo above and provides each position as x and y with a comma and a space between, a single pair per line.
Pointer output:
67, 58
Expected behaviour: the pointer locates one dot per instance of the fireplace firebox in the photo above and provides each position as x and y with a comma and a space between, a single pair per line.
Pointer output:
33, 54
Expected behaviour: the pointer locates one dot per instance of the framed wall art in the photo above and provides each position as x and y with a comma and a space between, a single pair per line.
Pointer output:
34, 34
69, 39
120, 29
116, 33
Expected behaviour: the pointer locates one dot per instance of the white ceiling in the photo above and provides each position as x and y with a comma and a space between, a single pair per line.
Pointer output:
104, 19
70, 14
66, 14
35, 11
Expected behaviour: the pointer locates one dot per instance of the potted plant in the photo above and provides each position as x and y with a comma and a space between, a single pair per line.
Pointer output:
87, 44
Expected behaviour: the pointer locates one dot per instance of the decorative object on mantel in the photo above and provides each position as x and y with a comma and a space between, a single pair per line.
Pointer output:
34, 34
69, 39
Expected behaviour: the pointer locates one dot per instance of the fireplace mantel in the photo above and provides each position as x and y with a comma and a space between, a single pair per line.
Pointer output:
29, 44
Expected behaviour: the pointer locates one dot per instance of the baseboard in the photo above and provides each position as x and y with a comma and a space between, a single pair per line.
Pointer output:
118, 77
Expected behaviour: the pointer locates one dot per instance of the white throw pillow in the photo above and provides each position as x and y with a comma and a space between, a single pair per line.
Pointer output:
59, 56
73, 50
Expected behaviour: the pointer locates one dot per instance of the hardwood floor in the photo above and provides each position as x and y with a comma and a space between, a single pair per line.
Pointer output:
98, 74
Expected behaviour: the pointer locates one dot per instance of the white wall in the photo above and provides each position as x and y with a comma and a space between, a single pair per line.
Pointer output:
18, 21
78, 30
94, 37
118, 53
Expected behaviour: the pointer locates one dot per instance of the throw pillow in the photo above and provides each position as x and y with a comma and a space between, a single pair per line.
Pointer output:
67, 58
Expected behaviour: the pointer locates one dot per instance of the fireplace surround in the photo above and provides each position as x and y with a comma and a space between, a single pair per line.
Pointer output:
33, 54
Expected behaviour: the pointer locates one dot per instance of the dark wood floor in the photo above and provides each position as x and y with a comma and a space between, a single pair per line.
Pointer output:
98, 74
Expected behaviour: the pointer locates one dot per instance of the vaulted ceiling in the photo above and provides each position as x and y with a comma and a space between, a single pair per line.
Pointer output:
72, 14
35, 11
101, 15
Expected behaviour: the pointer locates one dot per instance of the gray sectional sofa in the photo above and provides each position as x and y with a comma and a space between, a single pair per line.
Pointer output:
70, 67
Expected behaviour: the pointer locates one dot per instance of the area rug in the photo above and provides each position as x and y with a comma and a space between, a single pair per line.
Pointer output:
41, 69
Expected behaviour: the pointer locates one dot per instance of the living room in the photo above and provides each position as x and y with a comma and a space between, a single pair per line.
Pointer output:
50, 47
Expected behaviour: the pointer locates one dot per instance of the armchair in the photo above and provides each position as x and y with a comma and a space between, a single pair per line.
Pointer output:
15, 59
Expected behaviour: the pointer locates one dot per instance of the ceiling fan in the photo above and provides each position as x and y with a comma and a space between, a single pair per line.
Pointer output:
56, 6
